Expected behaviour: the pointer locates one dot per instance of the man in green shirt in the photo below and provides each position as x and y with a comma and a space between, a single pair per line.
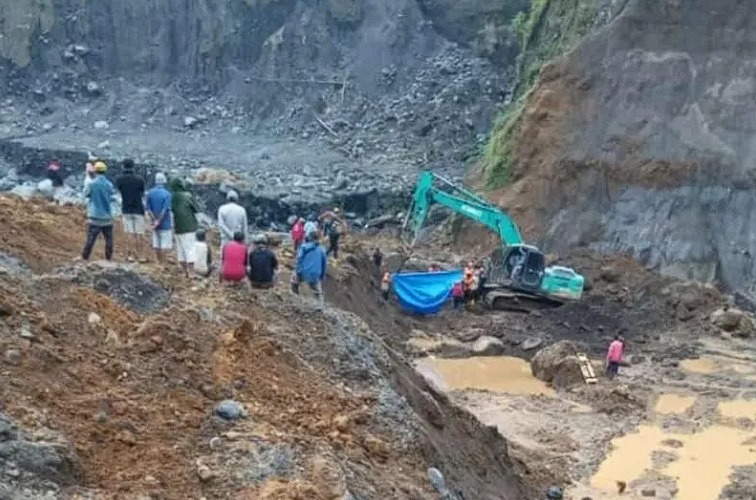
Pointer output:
185, 225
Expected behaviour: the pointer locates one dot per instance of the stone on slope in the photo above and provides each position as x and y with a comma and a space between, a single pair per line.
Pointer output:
488, 346
557, 364
734, 321
230, 410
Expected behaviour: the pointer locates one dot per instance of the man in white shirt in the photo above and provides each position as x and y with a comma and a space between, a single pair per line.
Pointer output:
232, 217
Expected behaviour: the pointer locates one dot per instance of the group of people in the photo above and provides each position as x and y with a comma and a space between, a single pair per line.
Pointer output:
171, 212
470, 289
329, 225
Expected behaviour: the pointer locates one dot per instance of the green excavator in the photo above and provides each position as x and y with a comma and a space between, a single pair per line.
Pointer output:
516, 276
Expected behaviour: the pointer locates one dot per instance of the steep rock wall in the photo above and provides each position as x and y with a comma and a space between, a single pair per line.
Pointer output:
641, 141
394, 82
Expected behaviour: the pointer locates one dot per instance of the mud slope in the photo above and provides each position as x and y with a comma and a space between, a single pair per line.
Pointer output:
110, 376
640, 141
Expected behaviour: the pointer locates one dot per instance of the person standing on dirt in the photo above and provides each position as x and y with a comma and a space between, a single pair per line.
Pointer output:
89, 174
458, 295
311, 267
131, 186
298, 233
332, 229
234, 260
184, 225
311, 226
54, 173
262, 264
385, 283
469, 282
158, 203
232, 217
378, 259
614, 356
99, 195
203, 265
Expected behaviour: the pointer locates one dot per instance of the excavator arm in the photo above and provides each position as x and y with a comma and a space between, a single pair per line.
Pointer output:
460, 201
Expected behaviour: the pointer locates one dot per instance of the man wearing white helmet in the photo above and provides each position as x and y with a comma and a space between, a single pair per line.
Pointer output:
232, 217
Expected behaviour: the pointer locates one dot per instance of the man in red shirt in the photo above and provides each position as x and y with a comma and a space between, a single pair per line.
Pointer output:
298, 233
614, 356
234, 260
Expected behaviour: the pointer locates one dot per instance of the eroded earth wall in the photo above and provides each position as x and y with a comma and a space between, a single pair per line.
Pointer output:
641, 140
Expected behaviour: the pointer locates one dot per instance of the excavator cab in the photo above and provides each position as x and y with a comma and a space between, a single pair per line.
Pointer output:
519, 266
523, 268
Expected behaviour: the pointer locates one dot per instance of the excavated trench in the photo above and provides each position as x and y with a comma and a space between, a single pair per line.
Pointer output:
474, 457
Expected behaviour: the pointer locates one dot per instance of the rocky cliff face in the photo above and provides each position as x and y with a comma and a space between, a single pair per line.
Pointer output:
363, 87
366, 67
641, 141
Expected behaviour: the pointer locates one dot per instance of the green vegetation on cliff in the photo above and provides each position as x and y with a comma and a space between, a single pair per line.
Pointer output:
549, 29
20, 22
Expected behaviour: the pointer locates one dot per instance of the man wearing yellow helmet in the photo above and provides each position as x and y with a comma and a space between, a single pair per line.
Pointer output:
99, 194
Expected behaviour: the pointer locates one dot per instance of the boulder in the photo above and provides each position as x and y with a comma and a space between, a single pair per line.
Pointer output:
488, 346
531, 343
689, 296
557, 364
230, 410
734, 321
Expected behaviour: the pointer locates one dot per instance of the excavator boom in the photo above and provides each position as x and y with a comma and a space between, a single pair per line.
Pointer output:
463, 202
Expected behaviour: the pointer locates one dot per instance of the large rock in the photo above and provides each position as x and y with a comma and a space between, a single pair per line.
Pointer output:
488, 346
733, 321
557, 364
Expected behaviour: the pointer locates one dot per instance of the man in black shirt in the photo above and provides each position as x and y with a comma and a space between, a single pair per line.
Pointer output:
262, 264
131, 186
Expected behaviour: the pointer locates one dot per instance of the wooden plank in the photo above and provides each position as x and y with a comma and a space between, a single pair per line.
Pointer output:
587, 369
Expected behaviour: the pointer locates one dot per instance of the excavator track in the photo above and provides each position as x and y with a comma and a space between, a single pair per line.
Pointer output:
509, 300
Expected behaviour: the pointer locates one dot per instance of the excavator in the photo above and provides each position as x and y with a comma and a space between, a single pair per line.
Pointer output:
516, 276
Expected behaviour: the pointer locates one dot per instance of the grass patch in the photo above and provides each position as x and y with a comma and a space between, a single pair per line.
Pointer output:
547, 30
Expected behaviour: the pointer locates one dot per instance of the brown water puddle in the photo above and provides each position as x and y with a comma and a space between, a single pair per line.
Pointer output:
668, 404
502, 374
700, 365
707, 365
741, 408
703, 466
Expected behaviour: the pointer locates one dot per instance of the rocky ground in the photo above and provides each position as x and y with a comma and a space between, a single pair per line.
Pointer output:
689, 385
123, 380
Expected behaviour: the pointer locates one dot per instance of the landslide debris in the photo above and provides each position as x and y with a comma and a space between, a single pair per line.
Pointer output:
141, 397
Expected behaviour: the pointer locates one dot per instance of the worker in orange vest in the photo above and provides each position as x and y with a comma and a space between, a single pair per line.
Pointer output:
469, 282
385, 283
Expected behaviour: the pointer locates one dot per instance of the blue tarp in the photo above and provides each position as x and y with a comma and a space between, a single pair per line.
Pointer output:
425, 293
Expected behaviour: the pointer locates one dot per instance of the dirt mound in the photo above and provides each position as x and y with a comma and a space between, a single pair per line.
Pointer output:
558, 365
